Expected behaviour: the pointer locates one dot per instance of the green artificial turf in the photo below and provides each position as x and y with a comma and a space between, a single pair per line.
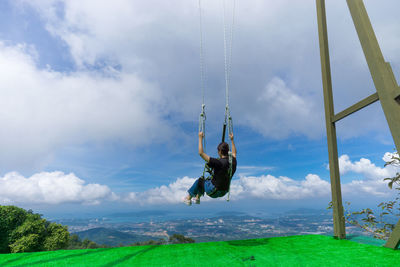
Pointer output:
304, 250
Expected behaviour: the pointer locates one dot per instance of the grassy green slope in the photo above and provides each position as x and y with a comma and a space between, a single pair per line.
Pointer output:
306, 250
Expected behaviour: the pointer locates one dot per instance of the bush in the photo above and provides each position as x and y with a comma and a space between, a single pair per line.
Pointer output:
76, 243
179, 239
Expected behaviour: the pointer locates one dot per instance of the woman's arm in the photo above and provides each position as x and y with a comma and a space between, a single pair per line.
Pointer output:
233, 145
201, 150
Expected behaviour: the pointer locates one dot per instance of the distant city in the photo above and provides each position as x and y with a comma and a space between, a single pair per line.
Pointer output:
222, 227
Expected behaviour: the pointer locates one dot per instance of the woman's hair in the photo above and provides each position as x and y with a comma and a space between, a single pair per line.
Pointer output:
224, 148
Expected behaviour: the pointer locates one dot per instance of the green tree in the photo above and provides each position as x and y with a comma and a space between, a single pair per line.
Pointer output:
28, 243
24, 231
10, 218
57, 237
33, 226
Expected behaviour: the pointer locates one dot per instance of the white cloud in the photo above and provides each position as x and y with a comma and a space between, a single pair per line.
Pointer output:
372, 183
173, 193
118, 30
282, 188
51, 188
58, 188
247, 170
264, 187
285, 111
276, 80
392, 159
160, 41
365, 167
42, 110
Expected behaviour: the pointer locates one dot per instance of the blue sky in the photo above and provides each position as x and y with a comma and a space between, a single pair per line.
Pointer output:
100, 101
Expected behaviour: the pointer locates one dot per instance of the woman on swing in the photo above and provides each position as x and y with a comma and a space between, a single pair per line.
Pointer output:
220, 181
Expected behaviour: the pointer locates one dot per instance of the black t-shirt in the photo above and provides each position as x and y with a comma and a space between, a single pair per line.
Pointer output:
221, 179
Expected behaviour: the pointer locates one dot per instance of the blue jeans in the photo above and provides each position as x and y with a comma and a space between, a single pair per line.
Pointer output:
201, 185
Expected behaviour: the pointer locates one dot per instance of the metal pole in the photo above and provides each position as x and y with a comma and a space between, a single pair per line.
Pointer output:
338, 216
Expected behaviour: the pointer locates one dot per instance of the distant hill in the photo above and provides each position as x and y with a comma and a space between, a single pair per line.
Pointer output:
306, 211
225, 213
111, 237
139, 214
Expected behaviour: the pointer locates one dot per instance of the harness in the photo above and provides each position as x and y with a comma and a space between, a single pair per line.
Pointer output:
210, 171
229, 173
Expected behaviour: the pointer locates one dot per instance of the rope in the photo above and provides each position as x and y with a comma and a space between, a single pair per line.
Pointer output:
228, 69
230, 53
228, 49
202, 119
202, 71
228, 65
